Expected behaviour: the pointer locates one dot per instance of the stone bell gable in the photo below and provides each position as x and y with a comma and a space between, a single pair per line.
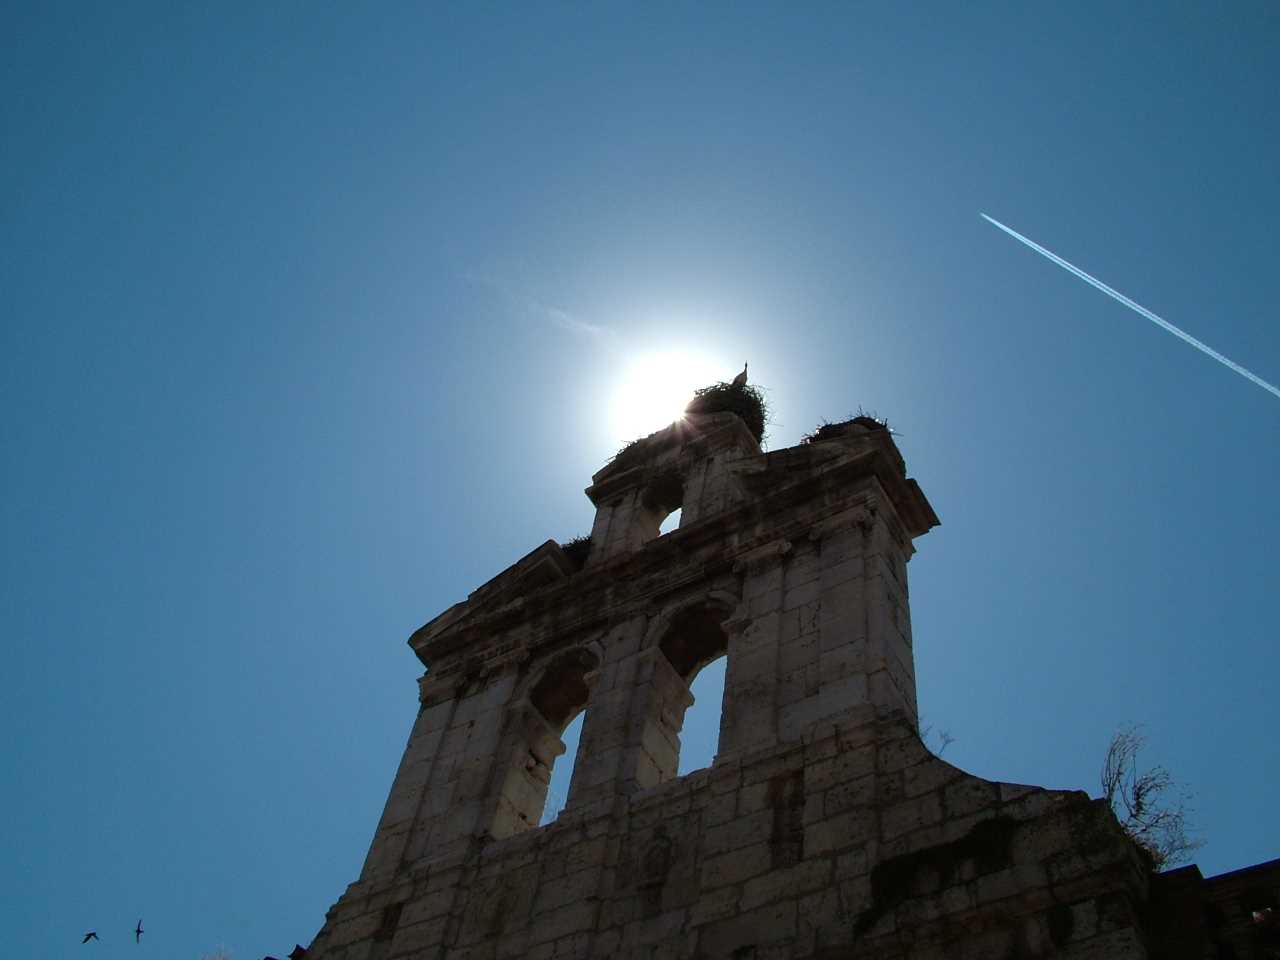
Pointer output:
823, 828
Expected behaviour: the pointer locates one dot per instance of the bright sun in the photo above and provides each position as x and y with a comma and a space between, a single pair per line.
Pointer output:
655, 389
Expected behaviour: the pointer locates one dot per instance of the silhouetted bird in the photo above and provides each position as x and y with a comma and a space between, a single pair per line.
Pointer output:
138, 932
741, 379
298, 952
91, 935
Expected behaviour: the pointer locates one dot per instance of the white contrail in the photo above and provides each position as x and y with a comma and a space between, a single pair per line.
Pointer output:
1135, 307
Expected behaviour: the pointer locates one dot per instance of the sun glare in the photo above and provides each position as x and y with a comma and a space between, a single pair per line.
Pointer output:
655, 389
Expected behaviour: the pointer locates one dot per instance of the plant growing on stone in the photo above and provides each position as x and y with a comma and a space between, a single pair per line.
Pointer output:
929, 735
577, 550
1151, 806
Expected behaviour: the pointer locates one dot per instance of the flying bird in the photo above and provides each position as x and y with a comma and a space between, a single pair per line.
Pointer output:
741, 379
91, 935
138, 932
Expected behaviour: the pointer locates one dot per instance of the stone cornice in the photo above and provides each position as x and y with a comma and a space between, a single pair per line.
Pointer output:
627, 585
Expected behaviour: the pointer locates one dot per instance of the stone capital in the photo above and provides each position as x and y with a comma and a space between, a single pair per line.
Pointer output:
762, 558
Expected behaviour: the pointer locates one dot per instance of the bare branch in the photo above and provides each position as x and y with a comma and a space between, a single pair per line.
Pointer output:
926, 732
1150, 805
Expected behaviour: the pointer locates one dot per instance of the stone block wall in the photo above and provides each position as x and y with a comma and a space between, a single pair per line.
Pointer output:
855, 842
823, 828
1233, 915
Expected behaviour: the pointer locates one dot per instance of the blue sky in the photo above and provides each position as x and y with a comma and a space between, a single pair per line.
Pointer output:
312, 319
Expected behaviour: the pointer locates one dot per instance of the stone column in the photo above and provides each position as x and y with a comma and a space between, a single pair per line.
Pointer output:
601, 765
450, 811
749, 719
653, 733
527, 752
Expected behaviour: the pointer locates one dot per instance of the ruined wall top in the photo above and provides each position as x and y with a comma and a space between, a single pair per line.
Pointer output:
823, 827
711, 468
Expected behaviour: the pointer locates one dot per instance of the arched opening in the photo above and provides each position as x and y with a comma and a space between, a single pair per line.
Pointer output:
561, 691
674, 740
541, 725
700, 735
672, 522
562, 771
695, 638
659, 504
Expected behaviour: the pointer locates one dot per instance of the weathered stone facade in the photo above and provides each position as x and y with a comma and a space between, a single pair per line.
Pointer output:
823, 829
1233, 916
